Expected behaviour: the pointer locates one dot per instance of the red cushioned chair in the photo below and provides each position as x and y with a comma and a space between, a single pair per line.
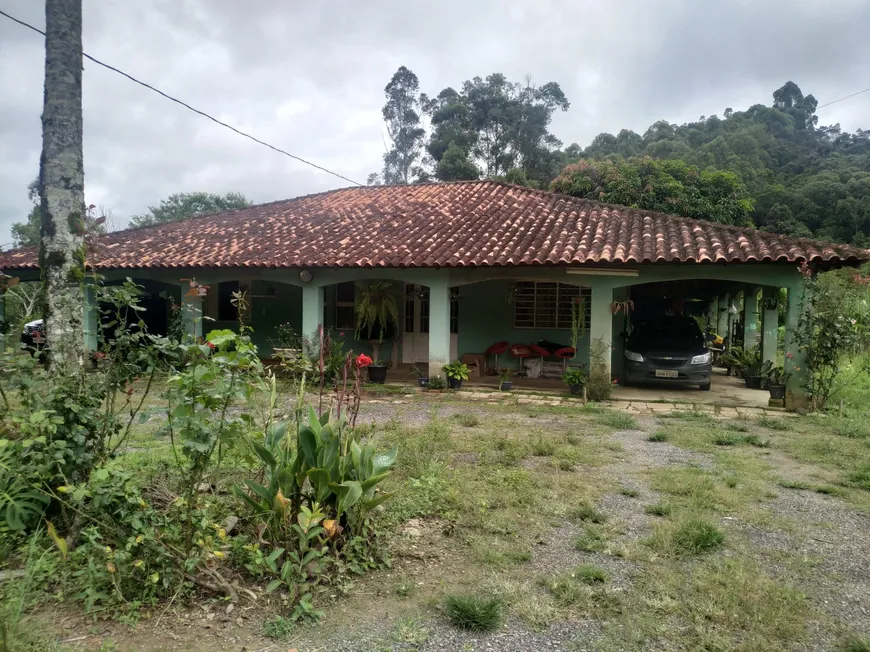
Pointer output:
521, 351
564, 354
495, 350
541, 352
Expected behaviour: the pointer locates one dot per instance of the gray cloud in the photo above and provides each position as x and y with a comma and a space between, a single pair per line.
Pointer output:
309, 77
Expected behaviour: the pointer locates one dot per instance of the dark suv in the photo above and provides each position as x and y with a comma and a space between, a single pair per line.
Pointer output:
668, 350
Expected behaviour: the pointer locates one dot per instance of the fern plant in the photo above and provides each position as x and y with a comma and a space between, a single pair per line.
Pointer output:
377, 308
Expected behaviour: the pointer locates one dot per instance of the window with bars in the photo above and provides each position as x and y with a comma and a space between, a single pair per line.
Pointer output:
547, 305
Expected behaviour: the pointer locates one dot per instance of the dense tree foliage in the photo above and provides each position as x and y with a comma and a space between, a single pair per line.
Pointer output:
669, 186
402, 118
489, 128
180, 206
805, 179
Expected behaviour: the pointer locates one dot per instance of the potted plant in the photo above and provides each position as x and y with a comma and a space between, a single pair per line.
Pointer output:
422, 379
435, 384
456, 372
575, 379
504, 377
377, 372
377, 309
777, 379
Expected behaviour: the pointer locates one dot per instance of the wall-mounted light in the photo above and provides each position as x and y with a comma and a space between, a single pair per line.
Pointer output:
305, 275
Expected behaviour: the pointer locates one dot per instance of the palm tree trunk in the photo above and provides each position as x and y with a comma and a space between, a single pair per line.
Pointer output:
61, 178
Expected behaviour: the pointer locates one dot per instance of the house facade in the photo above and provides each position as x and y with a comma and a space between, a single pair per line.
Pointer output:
470, 263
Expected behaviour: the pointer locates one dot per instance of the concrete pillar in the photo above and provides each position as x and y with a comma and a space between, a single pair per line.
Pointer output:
439, 325
191, 312
795, 361
722, 326
601, 322
312, 310
750, 317
769, 324
90, 318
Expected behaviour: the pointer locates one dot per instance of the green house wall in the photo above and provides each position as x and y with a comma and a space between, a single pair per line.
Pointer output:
486, 316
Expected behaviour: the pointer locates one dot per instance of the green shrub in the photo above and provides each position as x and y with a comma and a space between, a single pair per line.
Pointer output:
473, 612
599, 386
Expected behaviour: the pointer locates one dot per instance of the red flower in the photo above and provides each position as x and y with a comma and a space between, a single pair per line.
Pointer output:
211, 345
341, 334
789, 355
362, 360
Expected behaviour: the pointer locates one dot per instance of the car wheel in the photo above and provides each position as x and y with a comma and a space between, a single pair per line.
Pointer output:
705, 388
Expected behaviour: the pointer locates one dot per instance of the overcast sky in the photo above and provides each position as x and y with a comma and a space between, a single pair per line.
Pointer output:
309, 77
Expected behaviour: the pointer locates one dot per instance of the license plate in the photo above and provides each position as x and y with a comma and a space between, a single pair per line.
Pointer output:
667, 373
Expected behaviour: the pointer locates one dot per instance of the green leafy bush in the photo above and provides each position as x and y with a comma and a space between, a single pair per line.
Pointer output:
473, 612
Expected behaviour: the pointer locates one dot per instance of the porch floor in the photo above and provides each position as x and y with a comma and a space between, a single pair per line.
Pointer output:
726, 390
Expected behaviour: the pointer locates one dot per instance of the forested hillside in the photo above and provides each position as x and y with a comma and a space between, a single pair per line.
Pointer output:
803, 179
772, 166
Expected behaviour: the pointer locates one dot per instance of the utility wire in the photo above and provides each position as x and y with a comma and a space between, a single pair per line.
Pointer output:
187, 106
842, 98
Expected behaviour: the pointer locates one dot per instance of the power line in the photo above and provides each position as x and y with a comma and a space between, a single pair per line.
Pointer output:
842, 98
188, 106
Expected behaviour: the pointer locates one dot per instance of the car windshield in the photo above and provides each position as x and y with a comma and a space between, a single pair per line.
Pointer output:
683, 331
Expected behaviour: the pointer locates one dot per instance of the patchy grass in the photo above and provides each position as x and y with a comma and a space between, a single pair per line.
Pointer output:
278, 628
659, 509
795, 484
719, 604
687, 536
411, 632
773, 423
736, 426
472, 612
629, 492
593, 539
617, 420
690, 415
726, 439
855, 645
588, 514
755, 440
658, 436
543, 447
860, 477
589, 574
467, 419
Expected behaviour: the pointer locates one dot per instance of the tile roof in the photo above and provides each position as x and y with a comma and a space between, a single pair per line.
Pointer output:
461, 224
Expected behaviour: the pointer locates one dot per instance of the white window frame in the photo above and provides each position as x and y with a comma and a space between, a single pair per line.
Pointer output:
529, 293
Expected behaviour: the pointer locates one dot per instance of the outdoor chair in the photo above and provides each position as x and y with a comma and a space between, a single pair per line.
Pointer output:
495, 350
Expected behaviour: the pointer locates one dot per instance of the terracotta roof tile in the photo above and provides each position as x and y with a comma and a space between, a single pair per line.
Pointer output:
463, 224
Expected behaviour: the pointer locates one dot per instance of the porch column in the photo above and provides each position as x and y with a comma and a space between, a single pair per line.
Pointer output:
191, 312
750, 317
90, 326
795, 360
769, 324
712, 314
439, 324
722, 326
312, 309
601, 322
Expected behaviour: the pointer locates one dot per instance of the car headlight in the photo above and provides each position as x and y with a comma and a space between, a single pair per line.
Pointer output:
636, 357
704, 358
